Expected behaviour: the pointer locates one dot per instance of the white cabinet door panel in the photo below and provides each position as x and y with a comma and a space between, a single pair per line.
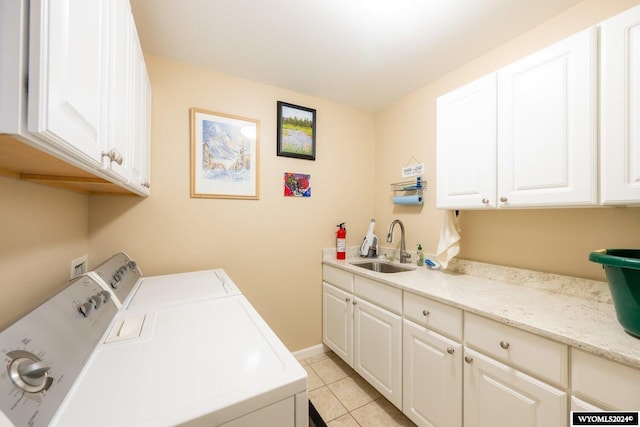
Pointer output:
378, 349
432, 377
620, 109
497, 395
547, 144
67, 74
466, 146
119, 124
337, 321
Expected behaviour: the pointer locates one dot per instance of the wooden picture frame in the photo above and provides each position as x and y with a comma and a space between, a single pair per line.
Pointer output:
296, 131
224, 155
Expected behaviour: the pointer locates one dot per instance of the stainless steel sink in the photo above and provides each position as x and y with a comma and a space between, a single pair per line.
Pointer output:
382, 266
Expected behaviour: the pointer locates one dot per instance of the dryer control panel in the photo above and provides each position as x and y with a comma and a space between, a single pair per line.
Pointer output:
118, 275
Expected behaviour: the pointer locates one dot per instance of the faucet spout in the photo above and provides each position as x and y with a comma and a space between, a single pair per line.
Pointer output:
404, 255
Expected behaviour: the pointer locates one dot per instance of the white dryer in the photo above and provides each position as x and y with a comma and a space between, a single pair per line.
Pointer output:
121, 276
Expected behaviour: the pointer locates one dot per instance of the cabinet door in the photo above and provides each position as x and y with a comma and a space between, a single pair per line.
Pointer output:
378, 349
497, 395
547, 146
620, 109
432, 377
67, 74
466, 146
121, 119
141, 130
580, 405
337, 321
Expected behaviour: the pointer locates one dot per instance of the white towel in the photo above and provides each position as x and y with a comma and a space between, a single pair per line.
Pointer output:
448, 246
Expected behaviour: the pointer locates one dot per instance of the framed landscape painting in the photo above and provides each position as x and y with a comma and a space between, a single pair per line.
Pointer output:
296, 131
224, 155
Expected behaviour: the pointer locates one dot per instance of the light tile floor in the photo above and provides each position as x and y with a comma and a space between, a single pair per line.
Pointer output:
344, 399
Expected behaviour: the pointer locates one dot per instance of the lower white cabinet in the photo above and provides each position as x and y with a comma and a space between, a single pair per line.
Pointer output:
603, 384
445, 367
498, 395
362, 324
378, 349
337, 321
432, 377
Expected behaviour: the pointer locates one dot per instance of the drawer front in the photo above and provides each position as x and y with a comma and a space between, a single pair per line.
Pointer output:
434, 315
384, 296
604, 383
340, 278
529, 352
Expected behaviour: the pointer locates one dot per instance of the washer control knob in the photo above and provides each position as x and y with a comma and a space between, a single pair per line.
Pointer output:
86, 308
96, 300
132, 265
115, 280
106, 296
28, 372
33, 369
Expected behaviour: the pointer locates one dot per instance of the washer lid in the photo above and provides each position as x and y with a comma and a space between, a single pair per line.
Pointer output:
182, 288
215, 360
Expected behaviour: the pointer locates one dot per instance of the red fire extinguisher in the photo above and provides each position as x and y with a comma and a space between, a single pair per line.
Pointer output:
341, 242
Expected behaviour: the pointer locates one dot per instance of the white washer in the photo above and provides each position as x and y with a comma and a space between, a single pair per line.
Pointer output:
213, 362
45, 351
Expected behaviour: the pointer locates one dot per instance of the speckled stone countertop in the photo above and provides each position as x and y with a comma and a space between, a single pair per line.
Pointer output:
574, 311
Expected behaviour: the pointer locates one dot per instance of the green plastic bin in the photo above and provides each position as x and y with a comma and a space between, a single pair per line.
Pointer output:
622, 268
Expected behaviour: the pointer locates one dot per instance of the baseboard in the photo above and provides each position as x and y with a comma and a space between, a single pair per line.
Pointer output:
315, 350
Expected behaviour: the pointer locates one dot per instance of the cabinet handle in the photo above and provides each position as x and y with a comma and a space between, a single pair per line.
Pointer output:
425, 312
146, 184
468, 359
113, 156
485, 201
450, 350
504, 344
504, 199
347, 299
354, 302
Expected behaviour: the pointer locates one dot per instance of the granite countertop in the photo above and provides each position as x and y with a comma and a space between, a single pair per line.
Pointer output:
573, 311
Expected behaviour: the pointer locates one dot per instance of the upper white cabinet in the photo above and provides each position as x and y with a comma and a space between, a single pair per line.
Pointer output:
128, 142
68, 57
547, 134
620, 109
120, 121
534, 144
75, 95
466, 152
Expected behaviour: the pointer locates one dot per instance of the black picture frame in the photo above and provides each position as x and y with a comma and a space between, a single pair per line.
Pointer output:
296, 131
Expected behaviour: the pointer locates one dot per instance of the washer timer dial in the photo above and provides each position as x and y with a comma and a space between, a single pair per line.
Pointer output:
28, 372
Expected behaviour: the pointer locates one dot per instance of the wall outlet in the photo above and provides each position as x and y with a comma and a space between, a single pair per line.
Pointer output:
79, 266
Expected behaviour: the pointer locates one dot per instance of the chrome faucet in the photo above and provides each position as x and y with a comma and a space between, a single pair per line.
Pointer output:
404, 255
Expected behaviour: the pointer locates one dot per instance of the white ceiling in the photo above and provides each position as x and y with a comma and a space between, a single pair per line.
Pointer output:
362, 53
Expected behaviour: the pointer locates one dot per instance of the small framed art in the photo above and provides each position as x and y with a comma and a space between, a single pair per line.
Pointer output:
296, 131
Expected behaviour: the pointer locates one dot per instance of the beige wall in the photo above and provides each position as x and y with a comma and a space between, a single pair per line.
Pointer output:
271, 247
554, 240
41, 231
